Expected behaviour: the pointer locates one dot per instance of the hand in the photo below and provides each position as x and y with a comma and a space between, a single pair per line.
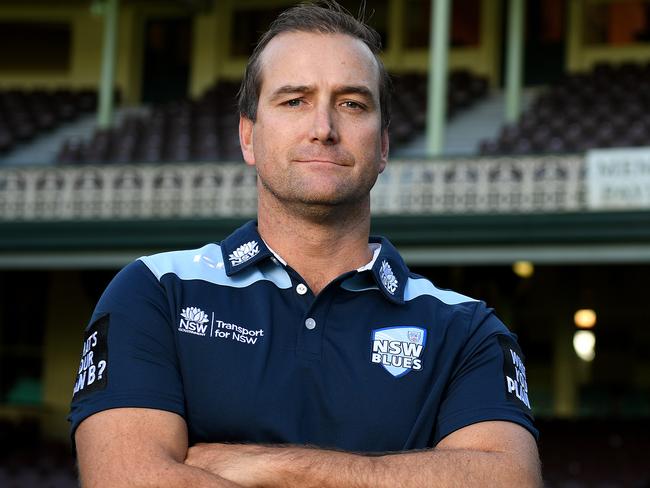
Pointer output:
244, 464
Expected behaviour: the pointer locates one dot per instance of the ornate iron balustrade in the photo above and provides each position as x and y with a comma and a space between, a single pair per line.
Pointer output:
461, 186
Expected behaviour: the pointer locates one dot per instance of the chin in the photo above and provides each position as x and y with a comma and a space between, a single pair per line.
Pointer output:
321, 213
333, 200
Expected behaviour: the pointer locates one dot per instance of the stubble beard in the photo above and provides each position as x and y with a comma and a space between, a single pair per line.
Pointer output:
294, 196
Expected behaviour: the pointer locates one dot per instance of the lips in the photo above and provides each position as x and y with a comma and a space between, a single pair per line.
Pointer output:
319, 161
321, 156
339, 160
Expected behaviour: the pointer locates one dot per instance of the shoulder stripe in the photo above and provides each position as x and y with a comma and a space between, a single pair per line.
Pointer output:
207, 264
421, 286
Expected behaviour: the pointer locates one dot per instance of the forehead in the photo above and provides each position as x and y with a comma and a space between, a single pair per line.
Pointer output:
309, 58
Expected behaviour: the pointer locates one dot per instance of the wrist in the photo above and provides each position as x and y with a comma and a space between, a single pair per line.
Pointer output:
306, 467
285, 465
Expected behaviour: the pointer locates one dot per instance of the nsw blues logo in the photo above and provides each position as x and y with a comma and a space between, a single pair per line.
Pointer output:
398, 349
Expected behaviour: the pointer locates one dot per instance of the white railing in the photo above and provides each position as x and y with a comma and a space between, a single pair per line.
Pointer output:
496, 185
482, 185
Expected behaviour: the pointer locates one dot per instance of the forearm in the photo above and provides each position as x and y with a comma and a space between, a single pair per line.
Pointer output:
150, 473
145, 473
301, 467
138, 448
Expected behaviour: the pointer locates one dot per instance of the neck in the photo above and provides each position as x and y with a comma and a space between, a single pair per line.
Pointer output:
320, 246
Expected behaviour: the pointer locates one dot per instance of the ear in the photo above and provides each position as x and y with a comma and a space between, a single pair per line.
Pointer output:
384, 150
246, 139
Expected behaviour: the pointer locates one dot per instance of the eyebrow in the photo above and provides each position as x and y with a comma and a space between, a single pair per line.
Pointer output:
358, 89
306, 89
288, 89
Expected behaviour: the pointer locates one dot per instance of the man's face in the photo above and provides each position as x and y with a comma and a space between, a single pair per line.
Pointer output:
317, 140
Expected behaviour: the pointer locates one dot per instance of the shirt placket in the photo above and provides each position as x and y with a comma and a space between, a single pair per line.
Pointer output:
310, 324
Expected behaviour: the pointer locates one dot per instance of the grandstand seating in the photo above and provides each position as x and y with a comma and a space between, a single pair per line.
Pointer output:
409, 102
183, 130
206, 129
26, 113
607, 107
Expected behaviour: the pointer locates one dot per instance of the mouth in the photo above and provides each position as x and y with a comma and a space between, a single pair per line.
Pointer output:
320, 161
316, 161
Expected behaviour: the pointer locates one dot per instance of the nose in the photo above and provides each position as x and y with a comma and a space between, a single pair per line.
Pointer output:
324, 126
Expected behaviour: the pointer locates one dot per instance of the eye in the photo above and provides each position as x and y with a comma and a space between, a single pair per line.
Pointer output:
294, 102
351, 104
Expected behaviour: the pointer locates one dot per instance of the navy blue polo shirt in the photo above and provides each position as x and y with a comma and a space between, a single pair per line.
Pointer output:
232, 340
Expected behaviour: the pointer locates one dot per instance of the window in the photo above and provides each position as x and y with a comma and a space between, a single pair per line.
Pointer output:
249, 24
617, 23
33, 46
465, 29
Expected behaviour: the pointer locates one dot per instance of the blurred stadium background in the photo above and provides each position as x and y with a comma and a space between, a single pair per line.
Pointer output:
525, 182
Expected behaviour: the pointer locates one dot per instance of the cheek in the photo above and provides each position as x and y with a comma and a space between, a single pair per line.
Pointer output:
273, 137
370, 143
367, 130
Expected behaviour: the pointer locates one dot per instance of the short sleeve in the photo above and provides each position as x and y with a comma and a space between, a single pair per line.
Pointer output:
489, 382
128, 356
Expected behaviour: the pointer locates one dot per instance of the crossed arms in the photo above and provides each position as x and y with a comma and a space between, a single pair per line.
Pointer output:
137, 447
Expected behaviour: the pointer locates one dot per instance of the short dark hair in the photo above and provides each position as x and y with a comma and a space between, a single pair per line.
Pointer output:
326, 17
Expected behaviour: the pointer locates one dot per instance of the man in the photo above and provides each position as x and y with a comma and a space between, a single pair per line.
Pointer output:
297, 352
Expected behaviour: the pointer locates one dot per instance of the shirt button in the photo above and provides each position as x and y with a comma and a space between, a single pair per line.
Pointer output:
301, 289
310, 323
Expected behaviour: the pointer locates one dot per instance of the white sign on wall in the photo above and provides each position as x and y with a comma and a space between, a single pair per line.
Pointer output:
618, 179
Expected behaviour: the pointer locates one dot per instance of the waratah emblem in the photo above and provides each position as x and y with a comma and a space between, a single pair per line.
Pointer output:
243, 253
193, 314
388, 278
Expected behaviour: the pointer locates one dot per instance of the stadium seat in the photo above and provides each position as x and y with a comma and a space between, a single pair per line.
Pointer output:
607, 107
25, 114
